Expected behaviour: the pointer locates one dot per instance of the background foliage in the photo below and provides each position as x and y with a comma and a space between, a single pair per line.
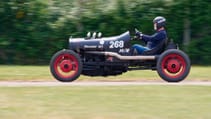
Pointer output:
32, 31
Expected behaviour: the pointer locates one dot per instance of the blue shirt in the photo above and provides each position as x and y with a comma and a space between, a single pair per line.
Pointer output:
154, 39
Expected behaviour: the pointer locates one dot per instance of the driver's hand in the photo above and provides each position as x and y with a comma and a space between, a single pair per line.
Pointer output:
138, 35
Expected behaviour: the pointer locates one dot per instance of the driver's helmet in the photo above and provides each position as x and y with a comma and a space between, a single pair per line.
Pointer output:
160, 21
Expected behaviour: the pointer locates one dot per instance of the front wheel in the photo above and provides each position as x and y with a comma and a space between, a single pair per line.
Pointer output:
173, 65
66, 66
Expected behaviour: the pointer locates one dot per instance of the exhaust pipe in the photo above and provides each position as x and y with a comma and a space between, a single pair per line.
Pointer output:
113, 54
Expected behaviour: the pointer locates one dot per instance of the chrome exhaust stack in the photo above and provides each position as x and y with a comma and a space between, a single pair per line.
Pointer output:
113, 54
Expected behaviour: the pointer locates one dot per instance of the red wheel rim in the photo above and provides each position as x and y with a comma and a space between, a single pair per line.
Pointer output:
173, 65
66, 65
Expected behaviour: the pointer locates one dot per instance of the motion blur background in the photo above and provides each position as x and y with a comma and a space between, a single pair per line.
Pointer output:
31, 31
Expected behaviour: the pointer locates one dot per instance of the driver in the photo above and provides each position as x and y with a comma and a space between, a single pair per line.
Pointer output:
153, 40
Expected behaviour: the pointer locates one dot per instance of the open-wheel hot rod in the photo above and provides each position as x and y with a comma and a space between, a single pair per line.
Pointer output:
106, 56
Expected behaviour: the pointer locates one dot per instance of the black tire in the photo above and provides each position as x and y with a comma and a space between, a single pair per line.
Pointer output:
173, 65
66, 66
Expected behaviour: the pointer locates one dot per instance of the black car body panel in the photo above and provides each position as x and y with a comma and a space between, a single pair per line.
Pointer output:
120, 44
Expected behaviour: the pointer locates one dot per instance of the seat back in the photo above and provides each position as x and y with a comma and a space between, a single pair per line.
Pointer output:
158, 49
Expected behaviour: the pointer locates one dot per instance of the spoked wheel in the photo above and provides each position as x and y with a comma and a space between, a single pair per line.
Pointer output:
173, 65
66, 66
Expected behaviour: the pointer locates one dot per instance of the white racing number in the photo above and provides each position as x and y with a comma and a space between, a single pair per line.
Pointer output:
116, 44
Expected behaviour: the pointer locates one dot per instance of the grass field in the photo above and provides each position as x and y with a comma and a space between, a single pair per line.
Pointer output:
42, 73
103, 102
106, 102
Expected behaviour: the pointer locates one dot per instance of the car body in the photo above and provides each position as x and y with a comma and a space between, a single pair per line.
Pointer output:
106, 56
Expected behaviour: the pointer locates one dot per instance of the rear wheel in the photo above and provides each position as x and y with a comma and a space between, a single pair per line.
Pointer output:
173, 65
66, 66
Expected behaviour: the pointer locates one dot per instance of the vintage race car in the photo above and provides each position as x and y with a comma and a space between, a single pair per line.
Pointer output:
106, 56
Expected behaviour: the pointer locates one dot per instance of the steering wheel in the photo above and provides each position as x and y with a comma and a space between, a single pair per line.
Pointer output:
137, 34
137, 31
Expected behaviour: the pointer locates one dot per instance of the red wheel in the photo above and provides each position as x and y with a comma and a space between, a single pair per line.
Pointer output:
173, 65
66, 66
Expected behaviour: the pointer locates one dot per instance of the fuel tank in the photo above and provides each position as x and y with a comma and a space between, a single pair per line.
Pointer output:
120, 44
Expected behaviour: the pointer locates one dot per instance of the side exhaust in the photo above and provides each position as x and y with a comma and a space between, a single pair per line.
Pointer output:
113, 54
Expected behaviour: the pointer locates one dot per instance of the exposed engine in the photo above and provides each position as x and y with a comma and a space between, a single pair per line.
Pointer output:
102, 66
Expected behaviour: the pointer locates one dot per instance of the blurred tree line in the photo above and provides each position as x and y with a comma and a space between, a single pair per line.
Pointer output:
31, 31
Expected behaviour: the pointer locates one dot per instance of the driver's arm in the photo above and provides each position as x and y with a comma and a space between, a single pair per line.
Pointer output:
147, 38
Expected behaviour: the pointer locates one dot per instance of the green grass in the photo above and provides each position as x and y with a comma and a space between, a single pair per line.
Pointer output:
35, 73
107, 102
42, 73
